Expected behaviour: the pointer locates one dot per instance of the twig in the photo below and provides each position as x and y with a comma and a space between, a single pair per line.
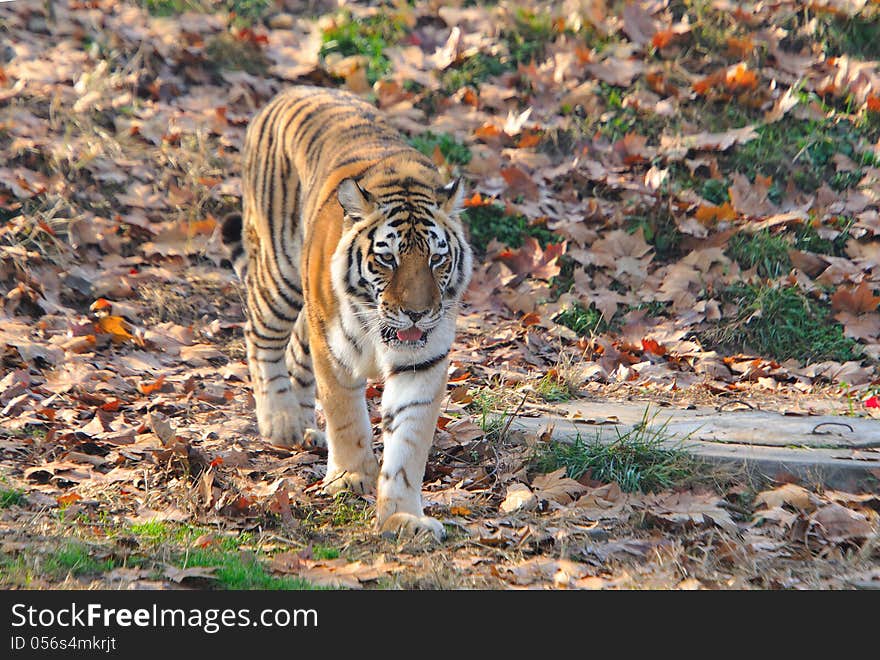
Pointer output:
721, 407
851, 430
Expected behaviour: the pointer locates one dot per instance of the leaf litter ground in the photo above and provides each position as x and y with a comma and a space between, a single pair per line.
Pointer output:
665, 198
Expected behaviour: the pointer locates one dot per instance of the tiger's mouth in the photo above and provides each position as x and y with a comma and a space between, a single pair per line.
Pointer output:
411, 337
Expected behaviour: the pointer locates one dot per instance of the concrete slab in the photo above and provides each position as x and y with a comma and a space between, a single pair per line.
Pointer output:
840, 452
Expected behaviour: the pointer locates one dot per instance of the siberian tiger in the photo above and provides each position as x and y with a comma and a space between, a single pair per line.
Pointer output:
354, 260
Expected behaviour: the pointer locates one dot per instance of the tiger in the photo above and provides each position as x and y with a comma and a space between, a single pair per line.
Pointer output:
353, 258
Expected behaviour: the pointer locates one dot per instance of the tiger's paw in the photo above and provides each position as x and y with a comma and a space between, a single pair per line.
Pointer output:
406, 525
281, 429
314, 438
359, 482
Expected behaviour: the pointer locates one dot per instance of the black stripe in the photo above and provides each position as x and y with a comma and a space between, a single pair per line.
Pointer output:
388, 417
303, 346
421, 366
304, 382
264, 347
264, 337
301, 365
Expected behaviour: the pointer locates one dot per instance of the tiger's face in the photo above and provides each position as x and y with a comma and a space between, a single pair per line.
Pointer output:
408, 261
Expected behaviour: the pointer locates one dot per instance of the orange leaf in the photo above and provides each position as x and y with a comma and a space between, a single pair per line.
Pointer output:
651, 346
488, 132
477, 200
740, 47
763, 181
583, 54
663, 38
530, 319
460, 378
149, 388
873, 103
205, 226
528, 139
470, 98
115, 326
858, 300
68, 499
373, 392
709, 213
459, 511
101, 304
741, 78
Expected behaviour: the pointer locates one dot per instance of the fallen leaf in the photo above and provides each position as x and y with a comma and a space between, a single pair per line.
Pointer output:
519, 498
555, 486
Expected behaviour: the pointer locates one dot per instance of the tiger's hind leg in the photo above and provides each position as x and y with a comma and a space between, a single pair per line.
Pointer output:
302, 380
272, 314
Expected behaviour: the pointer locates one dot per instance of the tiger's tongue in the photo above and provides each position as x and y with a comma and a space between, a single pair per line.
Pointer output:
410, 334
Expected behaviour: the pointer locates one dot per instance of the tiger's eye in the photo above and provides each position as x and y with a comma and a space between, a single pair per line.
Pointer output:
437, 259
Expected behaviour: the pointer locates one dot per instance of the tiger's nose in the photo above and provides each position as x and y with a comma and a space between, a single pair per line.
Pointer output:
414, 315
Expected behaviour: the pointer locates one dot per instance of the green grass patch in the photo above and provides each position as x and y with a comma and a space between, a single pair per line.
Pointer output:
74, 558
10, 497
485, 406
367, 36
552, 388
855, 36
239, 571
529, 36
324, 552
779, 323
764, 250
453, 151
472, 71
637, 460
583, 320
345, 509
182, 536
802, 151
808, 239
660, 231
491, 221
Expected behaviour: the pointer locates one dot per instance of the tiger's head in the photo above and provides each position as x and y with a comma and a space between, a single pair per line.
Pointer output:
407, 261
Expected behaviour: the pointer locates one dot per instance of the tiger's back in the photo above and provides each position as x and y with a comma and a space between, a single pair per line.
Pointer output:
353, 260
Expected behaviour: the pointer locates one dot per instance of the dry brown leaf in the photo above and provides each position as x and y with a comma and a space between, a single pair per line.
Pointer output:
839, 524
518, 498
790, 494
556, 487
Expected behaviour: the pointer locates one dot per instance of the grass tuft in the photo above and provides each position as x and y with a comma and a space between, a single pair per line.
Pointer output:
637, 460
10, 497
582, 320
765, 251
491, 221
239, 571
453, 151
367, 36
779, 323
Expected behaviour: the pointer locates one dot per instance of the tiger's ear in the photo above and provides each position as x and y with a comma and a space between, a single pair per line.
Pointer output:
355, 201
451, 196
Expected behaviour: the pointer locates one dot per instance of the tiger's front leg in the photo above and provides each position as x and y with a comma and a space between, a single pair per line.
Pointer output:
410, 406
351, 463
